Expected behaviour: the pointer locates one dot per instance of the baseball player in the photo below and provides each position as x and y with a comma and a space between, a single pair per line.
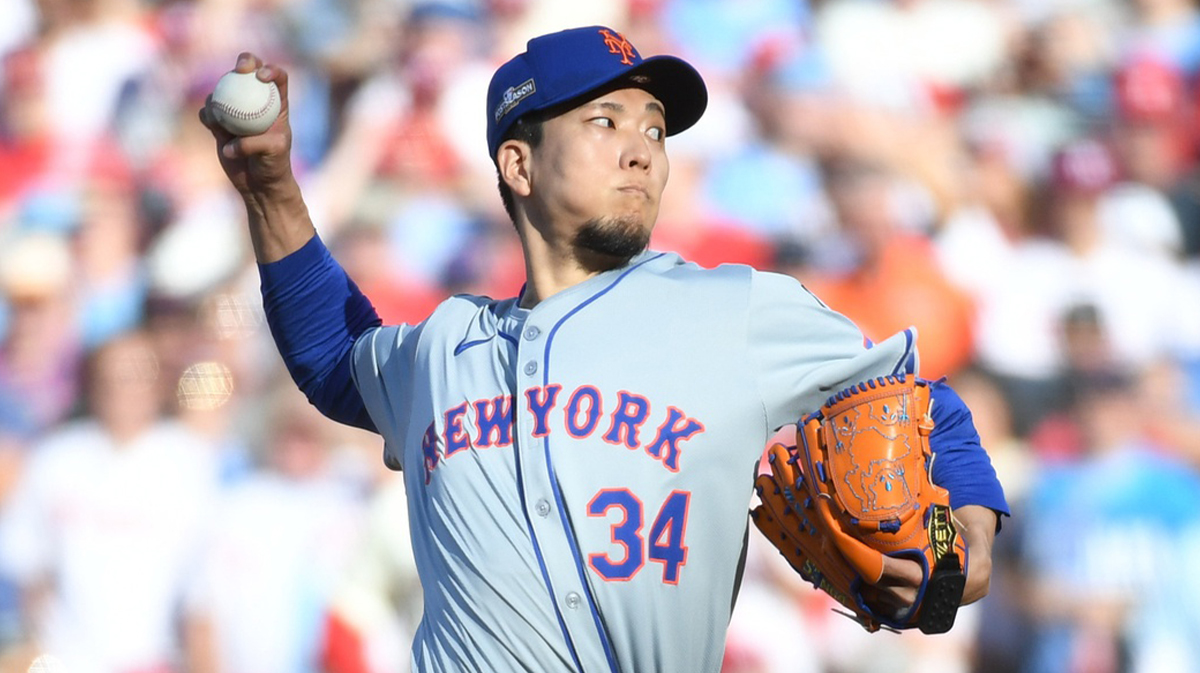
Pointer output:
579, 458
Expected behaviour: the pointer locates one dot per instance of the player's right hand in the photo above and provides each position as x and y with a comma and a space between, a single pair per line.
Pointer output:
897, 589
259, 165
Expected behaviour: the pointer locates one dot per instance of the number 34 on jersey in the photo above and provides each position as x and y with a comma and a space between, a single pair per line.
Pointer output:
623, 419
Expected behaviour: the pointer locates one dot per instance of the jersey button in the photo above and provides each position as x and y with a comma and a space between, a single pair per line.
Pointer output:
542, 507
573, 600
531, 368
532, 332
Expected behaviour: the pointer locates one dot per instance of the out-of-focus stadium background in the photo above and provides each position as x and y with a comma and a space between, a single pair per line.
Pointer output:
1017, 178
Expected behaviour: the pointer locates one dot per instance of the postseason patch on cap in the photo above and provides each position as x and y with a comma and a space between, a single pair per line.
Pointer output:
513, 95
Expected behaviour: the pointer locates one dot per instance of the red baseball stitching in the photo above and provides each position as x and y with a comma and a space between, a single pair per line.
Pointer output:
246, 116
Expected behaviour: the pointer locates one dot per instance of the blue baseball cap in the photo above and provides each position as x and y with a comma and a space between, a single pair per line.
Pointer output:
567, 65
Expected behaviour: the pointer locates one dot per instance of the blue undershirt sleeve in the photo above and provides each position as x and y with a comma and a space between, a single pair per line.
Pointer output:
315, 313
961, 465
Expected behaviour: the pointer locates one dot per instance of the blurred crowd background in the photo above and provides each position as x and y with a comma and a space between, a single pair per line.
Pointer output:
1017, 178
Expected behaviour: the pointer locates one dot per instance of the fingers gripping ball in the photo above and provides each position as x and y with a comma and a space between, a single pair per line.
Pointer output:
243, 104
857, 487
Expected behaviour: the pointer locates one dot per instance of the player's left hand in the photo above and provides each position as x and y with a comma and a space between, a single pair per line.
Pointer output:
865, 523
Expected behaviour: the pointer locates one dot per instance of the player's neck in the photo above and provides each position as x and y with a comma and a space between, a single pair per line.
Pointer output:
552, 267
546, 276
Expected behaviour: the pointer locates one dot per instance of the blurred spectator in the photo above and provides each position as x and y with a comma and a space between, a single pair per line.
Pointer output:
1087, 352
1171, 417
279, 542
1020, 305
1155, 124
891, 54
1002, 628
1071, 259
889, 279
108, 245
1150, 145
779, 619
194, 224
103, 528
771, 185
721, 38
394, 162
1168, 29
39, 358
1136, 290
1101, 543
398, 297
26, 140
90, 51
40, 350
206, 381
377, 601
689, 223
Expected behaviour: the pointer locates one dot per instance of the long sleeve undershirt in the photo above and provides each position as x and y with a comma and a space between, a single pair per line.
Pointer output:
315, 312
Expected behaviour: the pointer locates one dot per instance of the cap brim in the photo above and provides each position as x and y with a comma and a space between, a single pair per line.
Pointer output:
676, 84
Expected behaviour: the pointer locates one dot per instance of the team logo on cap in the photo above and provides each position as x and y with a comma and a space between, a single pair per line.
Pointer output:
617, 44
512, 96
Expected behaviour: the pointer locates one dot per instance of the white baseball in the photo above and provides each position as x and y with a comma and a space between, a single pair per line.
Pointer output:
244, 104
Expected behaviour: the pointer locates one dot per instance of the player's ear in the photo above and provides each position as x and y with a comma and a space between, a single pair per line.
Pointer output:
512, 161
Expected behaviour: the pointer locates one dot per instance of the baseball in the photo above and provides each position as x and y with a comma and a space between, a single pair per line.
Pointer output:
243, 104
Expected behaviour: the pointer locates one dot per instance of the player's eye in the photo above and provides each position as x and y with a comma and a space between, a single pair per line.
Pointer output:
656, 133
606, 122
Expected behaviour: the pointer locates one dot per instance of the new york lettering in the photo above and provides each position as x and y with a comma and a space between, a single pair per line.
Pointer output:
624, 419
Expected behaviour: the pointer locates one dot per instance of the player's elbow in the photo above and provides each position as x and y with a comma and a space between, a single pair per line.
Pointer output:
335, 395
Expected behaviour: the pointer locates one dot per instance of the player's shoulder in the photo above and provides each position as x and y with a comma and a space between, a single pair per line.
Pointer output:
464, 311
456, 315
672, 266
744, 277
458, 306
453, 308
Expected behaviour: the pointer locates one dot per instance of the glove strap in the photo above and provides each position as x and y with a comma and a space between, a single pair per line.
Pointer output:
947, 580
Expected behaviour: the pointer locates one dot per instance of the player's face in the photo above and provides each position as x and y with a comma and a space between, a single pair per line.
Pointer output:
599, 174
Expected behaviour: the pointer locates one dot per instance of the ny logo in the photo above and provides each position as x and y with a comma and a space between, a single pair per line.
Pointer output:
617, 44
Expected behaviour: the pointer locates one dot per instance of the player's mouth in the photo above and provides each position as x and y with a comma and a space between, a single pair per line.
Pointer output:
635, 190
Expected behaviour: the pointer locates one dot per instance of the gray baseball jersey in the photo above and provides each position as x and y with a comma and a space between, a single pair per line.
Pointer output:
579, 473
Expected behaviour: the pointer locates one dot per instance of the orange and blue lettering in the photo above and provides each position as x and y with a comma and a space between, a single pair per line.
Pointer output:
494, 417
541, 401
626, 532
631, 412
667, 535
585, 399
674, 430
457, 437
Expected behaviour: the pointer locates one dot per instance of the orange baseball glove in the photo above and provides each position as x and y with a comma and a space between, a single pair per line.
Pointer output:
857, 487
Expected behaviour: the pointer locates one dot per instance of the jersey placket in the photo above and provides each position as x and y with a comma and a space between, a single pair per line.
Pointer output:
548, 524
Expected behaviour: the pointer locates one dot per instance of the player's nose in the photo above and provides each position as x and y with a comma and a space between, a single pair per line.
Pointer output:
635, 150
